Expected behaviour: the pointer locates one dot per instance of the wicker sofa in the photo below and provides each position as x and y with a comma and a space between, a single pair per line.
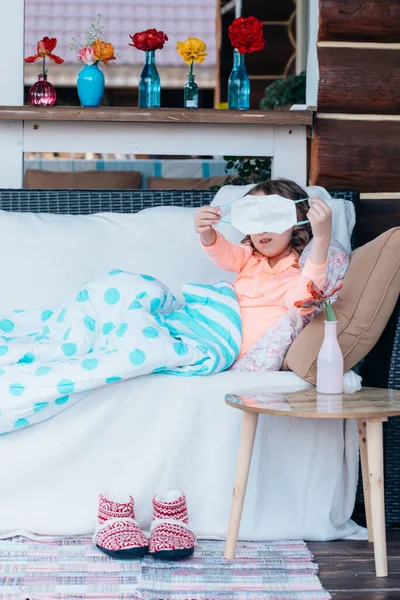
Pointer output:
380, 368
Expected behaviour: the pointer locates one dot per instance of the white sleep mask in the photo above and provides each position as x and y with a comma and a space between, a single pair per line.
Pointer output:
259, 214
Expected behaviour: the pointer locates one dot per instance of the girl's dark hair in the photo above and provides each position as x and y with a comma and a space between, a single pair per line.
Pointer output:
302, 234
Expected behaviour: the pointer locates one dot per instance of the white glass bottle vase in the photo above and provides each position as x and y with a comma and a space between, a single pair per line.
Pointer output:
330, 362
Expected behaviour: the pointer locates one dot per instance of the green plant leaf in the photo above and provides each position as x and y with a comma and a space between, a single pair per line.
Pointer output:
329, 312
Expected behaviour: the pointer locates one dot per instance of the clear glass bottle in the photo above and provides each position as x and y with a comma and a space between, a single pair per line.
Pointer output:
238, 84
191, 93
149, 83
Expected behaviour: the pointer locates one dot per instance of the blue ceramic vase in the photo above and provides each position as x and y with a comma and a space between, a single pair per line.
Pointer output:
90, 85
238, 84
149, 83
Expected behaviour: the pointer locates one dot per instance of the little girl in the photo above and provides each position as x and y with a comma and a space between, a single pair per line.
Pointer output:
269, 280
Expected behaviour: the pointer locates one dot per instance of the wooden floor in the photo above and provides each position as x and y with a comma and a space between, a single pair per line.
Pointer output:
347, 569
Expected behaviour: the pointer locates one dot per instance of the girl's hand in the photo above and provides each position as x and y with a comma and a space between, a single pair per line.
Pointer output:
205, 219
320, 217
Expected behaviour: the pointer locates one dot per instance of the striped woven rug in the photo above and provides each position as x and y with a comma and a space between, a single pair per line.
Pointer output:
75, 569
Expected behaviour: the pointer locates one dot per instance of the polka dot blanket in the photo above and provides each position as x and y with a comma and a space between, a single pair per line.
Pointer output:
121, 326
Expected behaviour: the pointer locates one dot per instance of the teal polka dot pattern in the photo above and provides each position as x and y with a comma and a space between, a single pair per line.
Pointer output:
134, 305
66, 334
122, 329
159, 370
20, 423
2, 371
83, 296
107, 327
151, 332
42, 371
46, 330
41, 337
180, 348
141, 295
3, 350
137, 357
21, 310
61, 316
27, 358
65, 386
113, 379
62, 400
69, 349
90, 323
114, 272
154, 304
89, 364
148, 277
46, 314
112, 296
16, 389
39, 406
6, 325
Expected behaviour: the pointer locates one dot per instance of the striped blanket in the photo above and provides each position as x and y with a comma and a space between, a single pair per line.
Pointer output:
121, 326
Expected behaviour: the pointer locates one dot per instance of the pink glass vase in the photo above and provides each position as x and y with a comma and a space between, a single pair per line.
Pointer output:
330, 362
42, 93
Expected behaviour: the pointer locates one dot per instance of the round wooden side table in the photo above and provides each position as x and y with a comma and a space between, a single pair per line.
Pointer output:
370, 406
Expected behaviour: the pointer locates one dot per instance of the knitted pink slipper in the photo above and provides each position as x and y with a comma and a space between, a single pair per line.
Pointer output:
171, 537
117, 533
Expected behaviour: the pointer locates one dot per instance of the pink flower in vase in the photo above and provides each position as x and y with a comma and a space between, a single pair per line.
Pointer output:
87, 56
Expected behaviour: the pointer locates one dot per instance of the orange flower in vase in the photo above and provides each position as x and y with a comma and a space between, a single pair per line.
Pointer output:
42, 93
103, 51
318, 299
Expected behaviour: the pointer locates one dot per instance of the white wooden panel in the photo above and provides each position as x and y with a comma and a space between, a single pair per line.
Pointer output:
312, 58
12, 41
290, 157
142, 138
301, 35
12, 91
11, 155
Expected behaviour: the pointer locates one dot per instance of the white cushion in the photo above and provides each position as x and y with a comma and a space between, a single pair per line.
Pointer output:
46, 257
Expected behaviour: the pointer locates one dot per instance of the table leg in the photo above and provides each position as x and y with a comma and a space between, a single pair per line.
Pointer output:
362, 438
246, 443
377, 493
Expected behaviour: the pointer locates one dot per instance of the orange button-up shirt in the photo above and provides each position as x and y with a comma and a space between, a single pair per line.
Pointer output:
265, 293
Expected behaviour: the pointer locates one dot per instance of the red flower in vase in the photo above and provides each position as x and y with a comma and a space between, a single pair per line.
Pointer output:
151, 39
246, 34
317, 299
45, 49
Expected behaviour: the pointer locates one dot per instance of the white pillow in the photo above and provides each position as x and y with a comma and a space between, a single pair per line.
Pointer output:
46, 257
343, 212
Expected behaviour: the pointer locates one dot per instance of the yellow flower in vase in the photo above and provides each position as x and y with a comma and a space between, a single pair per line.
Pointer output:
192, 50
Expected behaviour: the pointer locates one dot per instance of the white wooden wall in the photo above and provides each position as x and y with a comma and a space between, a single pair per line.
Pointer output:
12, 91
